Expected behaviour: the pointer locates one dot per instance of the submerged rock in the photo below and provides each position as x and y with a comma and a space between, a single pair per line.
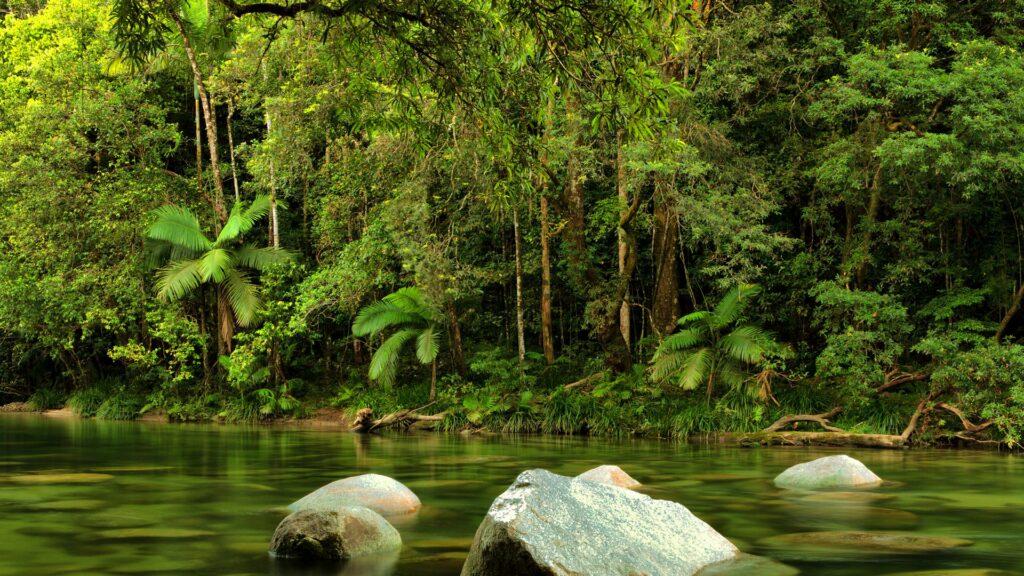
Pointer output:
333, 534
381, 494
610, 475
873, 542
550, 524
829, 472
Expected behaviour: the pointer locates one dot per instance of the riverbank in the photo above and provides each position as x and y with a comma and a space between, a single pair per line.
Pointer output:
362, 421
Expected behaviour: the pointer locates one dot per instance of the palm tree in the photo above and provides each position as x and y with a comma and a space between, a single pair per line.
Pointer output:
190, 259
712, 345
411, 316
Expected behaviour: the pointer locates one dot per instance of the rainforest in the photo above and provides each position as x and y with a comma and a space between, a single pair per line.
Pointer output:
778, 222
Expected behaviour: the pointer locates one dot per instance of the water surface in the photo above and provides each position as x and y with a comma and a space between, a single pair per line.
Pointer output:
90, 497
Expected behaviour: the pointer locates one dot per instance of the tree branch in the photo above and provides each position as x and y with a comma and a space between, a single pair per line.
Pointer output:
822, 419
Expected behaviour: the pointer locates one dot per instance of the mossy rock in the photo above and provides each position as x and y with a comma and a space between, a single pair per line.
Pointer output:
68, 478
154, 534
869, 542
749, 565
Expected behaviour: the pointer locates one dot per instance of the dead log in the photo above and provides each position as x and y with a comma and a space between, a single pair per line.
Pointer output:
818, 439
822, 420
403, 419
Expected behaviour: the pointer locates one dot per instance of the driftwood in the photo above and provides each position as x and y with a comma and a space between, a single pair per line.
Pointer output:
404, 419
822, 420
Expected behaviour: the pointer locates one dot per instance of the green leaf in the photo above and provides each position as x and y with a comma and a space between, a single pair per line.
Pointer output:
379, 316
732, 305
215, 264
695, 369
427, 345
178, 279
747, 344
243, 296
384, 363
261, 259
178, 226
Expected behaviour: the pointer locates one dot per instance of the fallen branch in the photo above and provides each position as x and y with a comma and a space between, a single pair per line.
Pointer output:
969, 427
365, 423
584, 381
822, 419
771, 436
895, 378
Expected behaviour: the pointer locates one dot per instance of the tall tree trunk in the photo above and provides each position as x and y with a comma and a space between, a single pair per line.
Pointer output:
199, 142
225, 323
547, 341
870, 218
623, 249
231, 148
458, 357
210, 121
665, 308
433, 380
520, 330
275, 239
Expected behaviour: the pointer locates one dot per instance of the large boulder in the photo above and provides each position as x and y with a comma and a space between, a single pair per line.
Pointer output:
546, 524
383, 495
830, 472
610, 475
339, 534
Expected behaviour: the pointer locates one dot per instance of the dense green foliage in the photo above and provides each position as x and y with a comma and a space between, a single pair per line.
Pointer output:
572, 193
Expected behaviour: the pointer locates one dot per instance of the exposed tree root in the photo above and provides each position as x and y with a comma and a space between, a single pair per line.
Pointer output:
404, 419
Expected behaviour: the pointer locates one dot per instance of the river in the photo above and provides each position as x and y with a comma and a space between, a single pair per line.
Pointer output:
93, 497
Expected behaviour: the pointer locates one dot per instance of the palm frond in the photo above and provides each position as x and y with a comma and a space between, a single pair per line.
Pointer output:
732, 305
215, 264
178, 226
156, 252
747, 344
682, 340
242, 219
733, 376
178, 279
242, 295
696, 316
376, 317
695, 368
427, 344
384, 363
261, 258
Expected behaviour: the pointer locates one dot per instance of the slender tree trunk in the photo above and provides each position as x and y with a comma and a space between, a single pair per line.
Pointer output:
226, 323
1010, 313
433, 380
199, 143
665, 308
520, 330
623, 248
547, 341
457, 354
869, 221
275, 239
210, 121
231, 148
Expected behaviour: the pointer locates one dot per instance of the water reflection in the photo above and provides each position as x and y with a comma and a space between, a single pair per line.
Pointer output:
87, 497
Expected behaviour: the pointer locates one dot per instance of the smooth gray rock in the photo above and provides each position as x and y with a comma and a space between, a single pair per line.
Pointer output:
339, 534
546, 524
610, 475
383, 495
827, 473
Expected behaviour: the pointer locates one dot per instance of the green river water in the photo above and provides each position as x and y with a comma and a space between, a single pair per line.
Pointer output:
90, 497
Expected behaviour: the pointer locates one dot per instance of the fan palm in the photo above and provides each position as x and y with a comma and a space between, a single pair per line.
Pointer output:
190, 259
411, 317
713, 345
